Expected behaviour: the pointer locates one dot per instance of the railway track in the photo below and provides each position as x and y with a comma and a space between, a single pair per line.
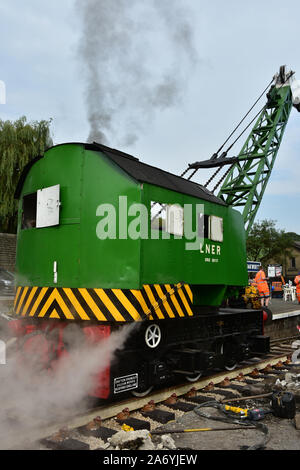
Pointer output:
91, 429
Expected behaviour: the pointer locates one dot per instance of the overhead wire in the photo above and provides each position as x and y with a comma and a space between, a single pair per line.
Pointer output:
230, 135
248, 112
250, 123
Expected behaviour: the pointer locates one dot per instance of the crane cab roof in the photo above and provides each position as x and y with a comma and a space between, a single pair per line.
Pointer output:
139, 171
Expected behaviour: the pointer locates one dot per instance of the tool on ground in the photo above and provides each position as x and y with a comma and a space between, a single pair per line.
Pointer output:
254, 414
263, 395
233, 418
282, 403
175, 431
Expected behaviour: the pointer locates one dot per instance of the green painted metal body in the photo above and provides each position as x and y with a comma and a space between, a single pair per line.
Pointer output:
246, 182
169, 260
88, 179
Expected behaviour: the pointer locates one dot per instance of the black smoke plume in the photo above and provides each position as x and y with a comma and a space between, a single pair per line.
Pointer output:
136, 59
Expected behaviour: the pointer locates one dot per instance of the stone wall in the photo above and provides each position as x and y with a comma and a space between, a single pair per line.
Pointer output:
283, 327
8, 251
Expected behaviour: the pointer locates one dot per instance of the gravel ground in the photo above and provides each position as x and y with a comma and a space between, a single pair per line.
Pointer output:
282, 433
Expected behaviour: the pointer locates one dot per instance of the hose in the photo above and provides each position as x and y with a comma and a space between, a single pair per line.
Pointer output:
229, 419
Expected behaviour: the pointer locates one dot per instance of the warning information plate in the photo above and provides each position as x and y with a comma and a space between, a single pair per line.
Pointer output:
127, 382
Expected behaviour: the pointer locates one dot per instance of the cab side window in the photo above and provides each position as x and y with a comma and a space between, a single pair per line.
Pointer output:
167, 217
211, 227
29, 211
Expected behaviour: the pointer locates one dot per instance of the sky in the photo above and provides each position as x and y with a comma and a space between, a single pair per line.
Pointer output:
166, 81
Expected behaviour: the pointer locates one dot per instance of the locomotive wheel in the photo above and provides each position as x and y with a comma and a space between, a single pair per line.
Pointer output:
142, 393
193, 378
228, 350
153, 336
231, 367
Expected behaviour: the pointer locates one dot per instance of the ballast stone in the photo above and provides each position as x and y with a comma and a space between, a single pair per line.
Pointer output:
140, 440
166, 443
132, 440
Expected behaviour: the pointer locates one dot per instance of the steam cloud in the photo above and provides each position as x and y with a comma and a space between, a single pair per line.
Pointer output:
135, 58
32, 398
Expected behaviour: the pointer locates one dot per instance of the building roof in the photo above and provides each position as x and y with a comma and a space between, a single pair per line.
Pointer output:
153, 175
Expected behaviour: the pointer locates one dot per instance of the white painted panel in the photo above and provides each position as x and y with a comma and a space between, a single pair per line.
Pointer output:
175, 219
216, 228
47, 211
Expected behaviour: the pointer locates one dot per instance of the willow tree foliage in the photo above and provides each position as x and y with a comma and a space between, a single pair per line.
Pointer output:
20, 142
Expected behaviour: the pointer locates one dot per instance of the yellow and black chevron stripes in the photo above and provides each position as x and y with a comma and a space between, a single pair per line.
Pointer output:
155, 301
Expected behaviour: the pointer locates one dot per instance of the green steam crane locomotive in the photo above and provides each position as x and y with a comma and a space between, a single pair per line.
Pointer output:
105, 240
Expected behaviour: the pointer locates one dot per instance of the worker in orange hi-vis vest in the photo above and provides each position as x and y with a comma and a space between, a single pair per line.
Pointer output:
297, 282
263, 287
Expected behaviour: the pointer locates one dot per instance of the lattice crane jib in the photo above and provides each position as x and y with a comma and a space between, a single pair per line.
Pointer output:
244, 183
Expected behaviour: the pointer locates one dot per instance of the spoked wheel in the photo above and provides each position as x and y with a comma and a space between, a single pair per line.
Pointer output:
153, 336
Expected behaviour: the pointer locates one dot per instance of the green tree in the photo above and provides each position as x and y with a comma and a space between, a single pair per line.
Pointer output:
267, 244
294, 236
20, 142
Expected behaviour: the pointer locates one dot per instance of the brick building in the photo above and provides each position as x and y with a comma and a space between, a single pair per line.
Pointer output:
292, 266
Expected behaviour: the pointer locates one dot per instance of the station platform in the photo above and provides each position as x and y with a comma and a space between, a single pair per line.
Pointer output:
285, 318
279, 306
